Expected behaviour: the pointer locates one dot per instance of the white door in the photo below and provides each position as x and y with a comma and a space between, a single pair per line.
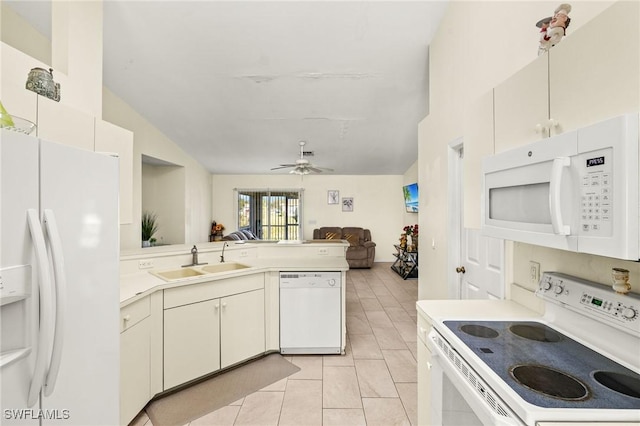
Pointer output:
18, 275
476, 262
241, 327
483, 263
81, 189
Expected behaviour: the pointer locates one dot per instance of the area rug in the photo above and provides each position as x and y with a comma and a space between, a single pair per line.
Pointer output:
180, 408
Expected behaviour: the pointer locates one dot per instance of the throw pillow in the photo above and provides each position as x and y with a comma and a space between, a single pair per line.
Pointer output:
331, 236
353, 239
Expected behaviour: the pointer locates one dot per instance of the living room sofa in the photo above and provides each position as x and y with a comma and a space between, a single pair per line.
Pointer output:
240, 235
361, 251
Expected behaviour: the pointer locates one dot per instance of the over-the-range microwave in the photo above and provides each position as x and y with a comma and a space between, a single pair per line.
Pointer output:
576, 191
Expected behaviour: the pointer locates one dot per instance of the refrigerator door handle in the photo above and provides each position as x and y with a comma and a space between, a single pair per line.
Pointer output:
60, 283
46, 307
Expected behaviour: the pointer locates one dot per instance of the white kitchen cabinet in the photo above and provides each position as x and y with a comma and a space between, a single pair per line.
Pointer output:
424, 373
212, 325
14, 69
191, 341
135, 353
478, 143
61, 123
242, 327
522, 106
595, 73
113, 139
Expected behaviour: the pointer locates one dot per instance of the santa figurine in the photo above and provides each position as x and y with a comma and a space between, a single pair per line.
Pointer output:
557, 27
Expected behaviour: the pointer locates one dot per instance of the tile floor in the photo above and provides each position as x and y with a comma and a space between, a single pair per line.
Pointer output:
374, 383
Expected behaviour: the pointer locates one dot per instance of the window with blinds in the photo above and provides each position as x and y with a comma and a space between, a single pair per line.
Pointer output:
270, 214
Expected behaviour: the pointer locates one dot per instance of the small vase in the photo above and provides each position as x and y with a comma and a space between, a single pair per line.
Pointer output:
414, 242
146, 243
620, 280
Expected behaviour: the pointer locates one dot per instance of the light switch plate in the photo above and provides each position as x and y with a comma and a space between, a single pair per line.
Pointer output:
534, 273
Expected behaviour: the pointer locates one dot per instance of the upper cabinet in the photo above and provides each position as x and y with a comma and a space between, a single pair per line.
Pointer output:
522, 106
110, 138
592, 75
595, 73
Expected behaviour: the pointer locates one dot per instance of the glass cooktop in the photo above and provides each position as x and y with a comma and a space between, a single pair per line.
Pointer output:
547, 368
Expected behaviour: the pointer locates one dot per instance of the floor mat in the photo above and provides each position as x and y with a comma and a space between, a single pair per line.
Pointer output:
180, 408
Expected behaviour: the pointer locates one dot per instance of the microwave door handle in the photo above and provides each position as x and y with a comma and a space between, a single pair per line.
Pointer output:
555, 207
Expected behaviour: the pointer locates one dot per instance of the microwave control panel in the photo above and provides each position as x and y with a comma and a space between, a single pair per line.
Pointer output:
596, 177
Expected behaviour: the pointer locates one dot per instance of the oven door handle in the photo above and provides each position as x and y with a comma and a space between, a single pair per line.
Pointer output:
474, 396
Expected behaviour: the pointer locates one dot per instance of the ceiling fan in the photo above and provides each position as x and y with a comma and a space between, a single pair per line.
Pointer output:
302, 166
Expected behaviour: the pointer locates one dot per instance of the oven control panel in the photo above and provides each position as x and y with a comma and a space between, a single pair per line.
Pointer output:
592, 299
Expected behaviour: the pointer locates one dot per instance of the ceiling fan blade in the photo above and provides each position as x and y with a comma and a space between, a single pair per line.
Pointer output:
319, 169
284, 166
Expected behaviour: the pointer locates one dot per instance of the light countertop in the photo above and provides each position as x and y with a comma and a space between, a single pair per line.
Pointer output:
439, 310
133, 286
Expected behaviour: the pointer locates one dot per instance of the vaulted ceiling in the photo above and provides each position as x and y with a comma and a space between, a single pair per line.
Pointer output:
239, 84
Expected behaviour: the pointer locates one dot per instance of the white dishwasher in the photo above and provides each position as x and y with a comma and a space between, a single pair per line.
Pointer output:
310, 312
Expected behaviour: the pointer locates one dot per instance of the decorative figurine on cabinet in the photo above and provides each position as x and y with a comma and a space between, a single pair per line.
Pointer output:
553, 32
543, 24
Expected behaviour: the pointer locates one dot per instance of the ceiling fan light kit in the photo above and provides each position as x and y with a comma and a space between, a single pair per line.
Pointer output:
302, 166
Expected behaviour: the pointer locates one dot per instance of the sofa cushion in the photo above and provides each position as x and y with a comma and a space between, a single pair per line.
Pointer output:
353, 234
231, 237
248, 234
352, 238
330, 233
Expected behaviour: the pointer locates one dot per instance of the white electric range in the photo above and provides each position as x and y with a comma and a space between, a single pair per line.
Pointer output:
580, 362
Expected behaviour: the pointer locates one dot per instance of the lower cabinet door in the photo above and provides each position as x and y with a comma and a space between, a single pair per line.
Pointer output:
242, 327
135, 347
191, 342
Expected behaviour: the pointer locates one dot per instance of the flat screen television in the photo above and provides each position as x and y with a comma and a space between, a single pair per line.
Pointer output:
411, 197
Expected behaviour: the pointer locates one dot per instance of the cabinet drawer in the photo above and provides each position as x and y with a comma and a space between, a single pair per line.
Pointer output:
424, 327
213, 289
132, 314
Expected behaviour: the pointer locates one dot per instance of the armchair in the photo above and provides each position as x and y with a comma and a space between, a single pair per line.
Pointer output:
361, 251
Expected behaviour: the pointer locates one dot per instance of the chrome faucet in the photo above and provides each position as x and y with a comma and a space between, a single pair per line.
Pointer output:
194, 258
222, 255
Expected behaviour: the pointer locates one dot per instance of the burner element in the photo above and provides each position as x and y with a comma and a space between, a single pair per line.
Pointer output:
538, 332
479, 331
550, 382
618, 382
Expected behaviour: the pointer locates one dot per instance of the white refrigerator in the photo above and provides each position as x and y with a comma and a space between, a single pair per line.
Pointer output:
59, 287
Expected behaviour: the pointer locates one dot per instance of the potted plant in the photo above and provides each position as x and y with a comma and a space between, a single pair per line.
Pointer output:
149, 227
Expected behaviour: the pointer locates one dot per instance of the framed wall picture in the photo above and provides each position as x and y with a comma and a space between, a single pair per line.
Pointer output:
347, 204
333, 196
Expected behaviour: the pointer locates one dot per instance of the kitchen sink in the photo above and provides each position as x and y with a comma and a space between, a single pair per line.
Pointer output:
223, 267
177, 274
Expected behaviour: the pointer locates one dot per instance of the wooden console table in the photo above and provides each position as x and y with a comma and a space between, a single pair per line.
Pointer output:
406, 263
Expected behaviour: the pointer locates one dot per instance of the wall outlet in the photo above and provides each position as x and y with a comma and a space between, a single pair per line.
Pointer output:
145, 263
323, 251
534, 273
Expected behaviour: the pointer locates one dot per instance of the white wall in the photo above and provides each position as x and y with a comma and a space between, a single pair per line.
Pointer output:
478, 45
378, 203
150, 141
